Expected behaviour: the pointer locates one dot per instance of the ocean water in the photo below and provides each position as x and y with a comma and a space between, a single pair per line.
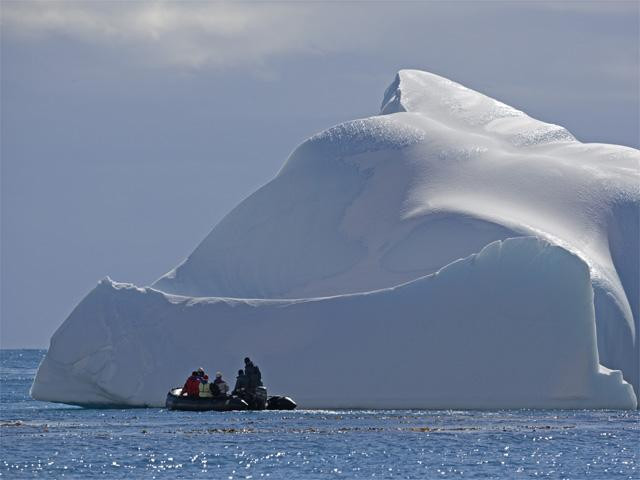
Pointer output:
46, 440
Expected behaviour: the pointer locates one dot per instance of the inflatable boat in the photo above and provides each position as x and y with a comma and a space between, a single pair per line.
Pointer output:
224, 403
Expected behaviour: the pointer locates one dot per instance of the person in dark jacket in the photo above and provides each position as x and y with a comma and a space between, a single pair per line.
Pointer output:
253, 374
242, 383
191, 387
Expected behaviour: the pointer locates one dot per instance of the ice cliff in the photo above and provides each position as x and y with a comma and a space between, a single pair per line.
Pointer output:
358, 266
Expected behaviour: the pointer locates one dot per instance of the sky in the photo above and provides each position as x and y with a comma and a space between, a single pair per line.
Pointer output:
129, 129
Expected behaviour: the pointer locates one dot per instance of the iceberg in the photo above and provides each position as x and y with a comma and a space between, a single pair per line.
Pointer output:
451, 252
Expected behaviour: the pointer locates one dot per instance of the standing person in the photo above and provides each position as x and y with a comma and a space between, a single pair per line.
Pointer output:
253, 373
219, 387
191, 387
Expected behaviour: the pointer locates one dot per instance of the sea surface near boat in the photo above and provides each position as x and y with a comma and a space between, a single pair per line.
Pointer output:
46, 440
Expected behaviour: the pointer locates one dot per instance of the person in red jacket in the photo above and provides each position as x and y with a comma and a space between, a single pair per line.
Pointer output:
192, 386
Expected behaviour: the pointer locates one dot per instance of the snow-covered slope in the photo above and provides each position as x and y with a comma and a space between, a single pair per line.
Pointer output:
444, 171
510, 327
376, 202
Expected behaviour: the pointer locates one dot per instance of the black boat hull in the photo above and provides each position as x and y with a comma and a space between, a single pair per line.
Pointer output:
195, 404
223, 404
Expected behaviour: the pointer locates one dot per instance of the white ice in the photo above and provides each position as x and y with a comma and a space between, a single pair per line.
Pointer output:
363, 208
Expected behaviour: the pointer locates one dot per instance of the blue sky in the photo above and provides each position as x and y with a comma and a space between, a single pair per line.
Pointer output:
129, 129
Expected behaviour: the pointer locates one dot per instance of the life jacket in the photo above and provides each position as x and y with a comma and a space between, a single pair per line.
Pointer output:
192, 386
203, 389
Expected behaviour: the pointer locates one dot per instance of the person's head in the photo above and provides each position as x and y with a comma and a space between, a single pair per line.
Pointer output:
201, 371
247, 360
194, 374
218, 375
240, 372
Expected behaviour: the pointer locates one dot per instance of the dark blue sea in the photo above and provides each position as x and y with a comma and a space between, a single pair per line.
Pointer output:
47, 440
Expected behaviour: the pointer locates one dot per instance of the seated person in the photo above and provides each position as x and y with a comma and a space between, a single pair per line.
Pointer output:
203, 388
242, 383
219, 388
191, 387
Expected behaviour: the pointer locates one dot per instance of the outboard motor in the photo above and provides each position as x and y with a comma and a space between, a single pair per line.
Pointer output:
257, 399
260, 398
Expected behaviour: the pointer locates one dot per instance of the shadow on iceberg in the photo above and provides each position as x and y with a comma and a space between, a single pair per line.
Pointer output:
509, 327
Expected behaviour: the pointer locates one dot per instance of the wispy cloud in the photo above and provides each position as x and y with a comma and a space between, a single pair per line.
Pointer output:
187, 33
199, 34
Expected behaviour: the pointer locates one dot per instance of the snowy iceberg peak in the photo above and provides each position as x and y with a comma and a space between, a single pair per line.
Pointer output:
436, 96
460, 107
420, 107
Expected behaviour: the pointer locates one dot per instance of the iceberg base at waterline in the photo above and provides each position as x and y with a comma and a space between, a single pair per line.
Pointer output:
512, 326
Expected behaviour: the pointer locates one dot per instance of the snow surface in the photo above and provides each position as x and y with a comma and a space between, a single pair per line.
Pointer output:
503, 339
366, 206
